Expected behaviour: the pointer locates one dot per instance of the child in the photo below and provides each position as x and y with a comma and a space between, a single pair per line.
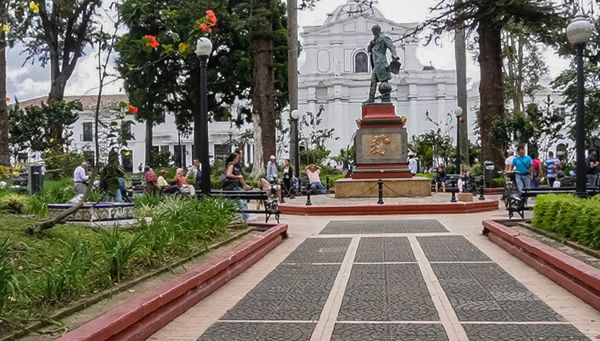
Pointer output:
559, 175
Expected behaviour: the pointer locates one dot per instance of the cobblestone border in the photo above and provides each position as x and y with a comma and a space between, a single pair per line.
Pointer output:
581, 279
374, 209
145, 314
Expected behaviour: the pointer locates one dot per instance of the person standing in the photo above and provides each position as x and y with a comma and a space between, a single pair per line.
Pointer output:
536, 175
288, 175
550, 167
508, 167
592, 171
80, 179
272, 170
110, 175
151, 180
195, 173
523, 166
413, 166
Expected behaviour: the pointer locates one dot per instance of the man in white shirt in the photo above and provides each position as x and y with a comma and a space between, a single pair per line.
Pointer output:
196, 173
80, 179
272, 170
412, 164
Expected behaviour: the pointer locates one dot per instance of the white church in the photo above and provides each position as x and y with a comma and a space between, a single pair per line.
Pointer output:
336, 75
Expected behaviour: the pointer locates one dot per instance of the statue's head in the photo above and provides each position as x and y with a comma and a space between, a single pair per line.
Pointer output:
376, 29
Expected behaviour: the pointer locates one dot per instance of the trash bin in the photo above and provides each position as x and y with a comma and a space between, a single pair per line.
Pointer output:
35, 179
488, 172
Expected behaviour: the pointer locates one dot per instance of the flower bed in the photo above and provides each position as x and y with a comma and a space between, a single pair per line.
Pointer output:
569, 217
39, 275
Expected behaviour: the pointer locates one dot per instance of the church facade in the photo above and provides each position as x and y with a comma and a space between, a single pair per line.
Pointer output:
335, 76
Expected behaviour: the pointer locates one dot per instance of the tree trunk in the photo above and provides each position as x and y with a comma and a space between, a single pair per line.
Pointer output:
460, 53
148, 160
491, 89
4, 150
258, 167
263, 89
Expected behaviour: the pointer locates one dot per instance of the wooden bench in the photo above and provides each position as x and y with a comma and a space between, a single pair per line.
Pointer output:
270, 205
518, 204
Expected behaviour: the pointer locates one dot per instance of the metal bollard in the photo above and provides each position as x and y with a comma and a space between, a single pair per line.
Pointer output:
327, 183
308, 190
281, 195
481, 196
453, 196
380, 190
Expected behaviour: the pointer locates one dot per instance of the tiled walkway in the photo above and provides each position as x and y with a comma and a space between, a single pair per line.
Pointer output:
395, 279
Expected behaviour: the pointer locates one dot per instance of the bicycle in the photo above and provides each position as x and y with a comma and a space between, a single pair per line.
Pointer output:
510, 188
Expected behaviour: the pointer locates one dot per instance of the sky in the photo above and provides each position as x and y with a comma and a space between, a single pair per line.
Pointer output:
32, 81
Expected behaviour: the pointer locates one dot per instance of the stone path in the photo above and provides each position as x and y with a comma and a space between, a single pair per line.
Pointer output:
392, 279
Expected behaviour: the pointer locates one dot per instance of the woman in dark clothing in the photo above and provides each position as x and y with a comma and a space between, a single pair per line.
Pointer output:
440, 178
288, 175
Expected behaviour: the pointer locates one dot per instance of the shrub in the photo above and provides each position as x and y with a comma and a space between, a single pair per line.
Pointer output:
498, 182
14, 203
569, 217
62, 164
118, 250
9, 286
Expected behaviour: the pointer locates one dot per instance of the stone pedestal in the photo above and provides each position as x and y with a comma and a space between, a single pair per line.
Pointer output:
381, 144
368, 188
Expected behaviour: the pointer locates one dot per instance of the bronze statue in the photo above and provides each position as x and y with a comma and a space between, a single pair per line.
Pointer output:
381, 70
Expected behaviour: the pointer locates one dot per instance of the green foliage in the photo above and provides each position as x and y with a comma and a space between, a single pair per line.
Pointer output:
118, 250
432, 146
9, 284
315, 156
54, 192
13, 203
62, 164
569, 217
31, 127
498, 182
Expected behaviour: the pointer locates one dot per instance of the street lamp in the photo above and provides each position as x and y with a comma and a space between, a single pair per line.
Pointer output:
295, 116
458, 113
203, 50
579, 32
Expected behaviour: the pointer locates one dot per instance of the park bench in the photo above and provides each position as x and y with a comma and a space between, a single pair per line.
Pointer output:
270, 206
518, 204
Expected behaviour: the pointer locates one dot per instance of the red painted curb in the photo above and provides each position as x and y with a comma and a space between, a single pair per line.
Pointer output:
374, 209
493, 191
579, 278
145, 314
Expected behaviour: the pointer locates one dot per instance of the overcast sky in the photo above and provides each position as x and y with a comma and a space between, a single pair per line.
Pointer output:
33, 81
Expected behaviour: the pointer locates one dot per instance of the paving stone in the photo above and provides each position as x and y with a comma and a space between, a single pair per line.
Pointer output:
374, 250
473, 299
320, 250
383, 226
234, 331
387, 292
523, 332
290, 292
450, 248
388, 332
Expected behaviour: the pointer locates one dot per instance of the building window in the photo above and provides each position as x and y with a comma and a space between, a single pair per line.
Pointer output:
221, 151
361, 62
561, 152
164, 149
88, 135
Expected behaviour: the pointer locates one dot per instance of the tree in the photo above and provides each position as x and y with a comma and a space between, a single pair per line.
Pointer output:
55, 32
541, 20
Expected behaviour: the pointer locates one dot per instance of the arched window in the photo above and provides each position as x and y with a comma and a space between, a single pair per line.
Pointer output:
361, 62
561, 152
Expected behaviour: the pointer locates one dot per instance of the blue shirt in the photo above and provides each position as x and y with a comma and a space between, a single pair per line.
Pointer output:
550, 165
522, 164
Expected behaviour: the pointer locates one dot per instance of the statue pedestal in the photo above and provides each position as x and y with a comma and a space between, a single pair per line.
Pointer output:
381, 144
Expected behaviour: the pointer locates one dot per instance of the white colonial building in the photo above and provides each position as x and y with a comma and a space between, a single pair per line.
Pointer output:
166, 137
336, 75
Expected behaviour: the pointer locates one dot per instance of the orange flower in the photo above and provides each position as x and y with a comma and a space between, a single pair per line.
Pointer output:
211, 18
132, 109
205, 28
151, 41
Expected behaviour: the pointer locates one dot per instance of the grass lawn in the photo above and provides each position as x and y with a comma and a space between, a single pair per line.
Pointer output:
40, 274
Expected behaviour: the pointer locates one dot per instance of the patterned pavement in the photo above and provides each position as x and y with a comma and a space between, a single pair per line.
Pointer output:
415, 282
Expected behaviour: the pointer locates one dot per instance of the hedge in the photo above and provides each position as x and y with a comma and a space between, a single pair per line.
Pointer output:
570, 217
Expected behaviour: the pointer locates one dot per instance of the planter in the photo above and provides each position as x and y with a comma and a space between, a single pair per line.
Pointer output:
579, 278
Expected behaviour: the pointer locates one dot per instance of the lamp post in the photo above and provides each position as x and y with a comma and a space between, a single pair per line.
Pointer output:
203, 50
458, 113
295, 118
579, 32
230, 133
